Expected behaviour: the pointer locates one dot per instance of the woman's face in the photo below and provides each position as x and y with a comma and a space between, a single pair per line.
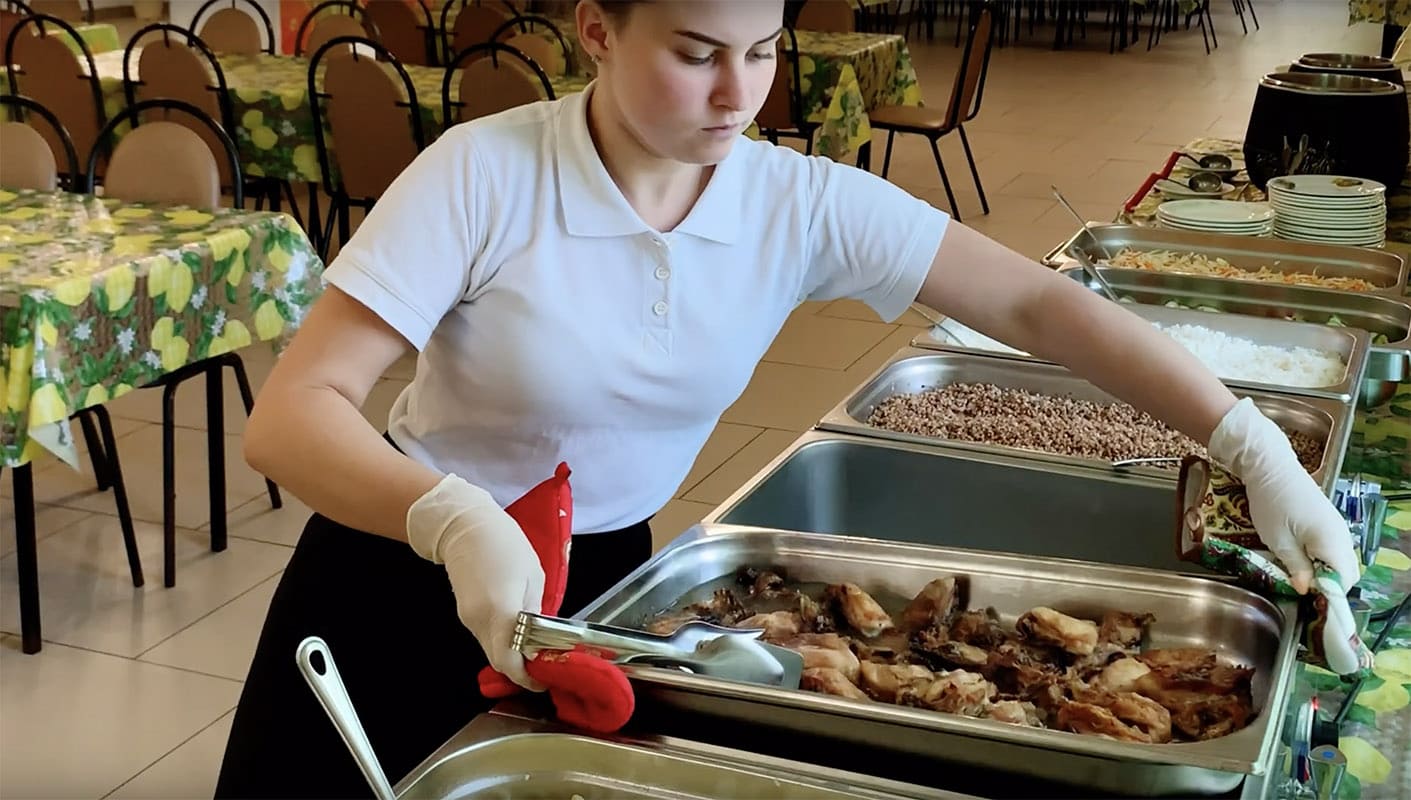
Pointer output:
688, 76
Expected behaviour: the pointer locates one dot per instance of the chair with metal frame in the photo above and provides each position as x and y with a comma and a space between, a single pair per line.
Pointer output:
475, 24
827, 16
964, 104
11, 12
332, 19
529, 39
27, 162
44, 68
189, 176
782, 114
487, 85
80, 13
366, 111
408, 31
231, 30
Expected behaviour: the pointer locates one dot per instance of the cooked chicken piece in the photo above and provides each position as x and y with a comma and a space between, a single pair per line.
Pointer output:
668, 623
933, 605
776, 624
1212, 717
1042, 624
816, 618
1122, 675
1016, 671
932, 647
887, 682
843, 661
1181, 660
1015, 712
1085, 668
1097, 721
832, 641
830, 681
881, 653
1144, 713
980, 628
763, 583
954, 692
865, 615
1123, 629
723, 608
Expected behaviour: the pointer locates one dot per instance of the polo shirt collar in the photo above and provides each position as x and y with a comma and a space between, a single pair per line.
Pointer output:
593, 205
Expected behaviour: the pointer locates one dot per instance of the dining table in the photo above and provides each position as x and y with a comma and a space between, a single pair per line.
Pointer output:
102, 297
1386, 12
1376, 737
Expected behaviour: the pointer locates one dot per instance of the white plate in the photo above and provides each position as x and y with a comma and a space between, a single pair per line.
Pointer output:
1216, 211
1186, 226
1283, 202
1335, 202
1337, 186
1250, 232
1313, 237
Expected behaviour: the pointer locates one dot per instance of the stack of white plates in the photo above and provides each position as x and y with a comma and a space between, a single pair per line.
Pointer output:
1329, 208
1217, 216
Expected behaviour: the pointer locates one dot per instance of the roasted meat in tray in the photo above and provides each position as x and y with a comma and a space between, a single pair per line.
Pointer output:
1047, 670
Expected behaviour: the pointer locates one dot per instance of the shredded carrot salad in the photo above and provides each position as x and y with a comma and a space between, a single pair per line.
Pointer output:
1198, 264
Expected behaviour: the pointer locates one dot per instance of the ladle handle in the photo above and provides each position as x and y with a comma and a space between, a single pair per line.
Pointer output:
333, 696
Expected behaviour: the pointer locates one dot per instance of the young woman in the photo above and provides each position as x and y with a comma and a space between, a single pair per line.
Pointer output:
594, 280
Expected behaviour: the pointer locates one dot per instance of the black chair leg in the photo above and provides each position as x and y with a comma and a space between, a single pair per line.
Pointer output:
215, 454
288, 189
1239, 11
95, 451
345, 222
247, 397
887, 156
169, 485
129, 535
974, 172
945, 179
26, 559
1253, 16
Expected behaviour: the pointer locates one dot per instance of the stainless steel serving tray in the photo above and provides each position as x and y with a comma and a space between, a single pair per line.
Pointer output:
1190, 612
503, 754
1386, 270
913, 370
1349, 344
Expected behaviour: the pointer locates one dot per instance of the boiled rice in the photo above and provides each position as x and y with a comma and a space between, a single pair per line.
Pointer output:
1234, 358
1230, 357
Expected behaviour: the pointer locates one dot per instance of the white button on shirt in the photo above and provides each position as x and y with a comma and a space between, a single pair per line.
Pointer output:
507, 256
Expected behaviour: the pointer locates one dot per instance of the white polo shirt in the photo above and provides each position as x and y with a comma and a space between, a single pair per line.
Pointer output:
553, 324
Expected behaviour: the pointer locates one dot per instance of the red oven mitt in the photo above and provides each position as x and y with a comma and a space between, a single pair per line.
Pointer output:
587, 690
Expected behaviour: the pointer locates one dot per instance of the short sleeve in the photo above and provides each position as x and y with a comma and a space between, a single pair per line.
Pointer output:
868, 240
411, 259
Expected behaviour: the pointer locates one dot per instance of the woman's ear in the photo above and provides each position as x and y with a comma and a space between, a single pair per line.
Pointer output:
592, 28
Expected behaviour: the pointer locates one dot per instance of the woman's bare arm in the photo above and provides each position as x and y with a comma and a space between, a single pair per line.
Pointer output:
308, 435
1008, 297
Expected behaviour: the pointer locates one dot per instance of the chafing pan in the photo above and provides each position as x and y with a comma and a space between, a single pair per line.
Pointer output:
1189, 612
1387, 271
914, 370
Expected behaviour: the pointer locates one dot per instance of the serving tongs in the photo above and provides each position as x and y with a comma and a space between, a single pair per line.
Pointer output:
701, 647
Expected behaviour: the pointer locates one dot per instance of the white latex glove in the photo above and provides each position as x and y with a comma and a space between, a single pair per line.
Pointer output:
1342, 647
494, 571
1293, 517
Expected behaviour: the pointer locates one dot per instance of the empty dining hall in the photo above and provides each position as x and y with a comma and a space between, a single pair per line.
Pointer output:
711, 399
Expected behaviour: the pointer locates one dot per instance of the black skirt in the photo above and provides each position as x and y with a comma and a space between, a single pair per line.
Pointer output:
410, 666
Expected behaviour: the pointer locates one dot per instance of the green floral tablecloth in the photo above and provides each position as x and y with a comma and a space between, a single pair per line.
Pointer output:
1395, 12
274, 123
1377, 736
100, 297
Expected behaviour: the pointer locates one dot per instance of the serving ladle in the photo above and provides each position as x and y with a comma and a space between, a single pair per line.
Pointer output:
1204, 182
1211, 161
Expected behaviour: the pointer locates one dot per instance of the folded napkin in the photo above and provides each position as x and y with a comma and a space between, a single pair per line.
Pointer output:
587, 689
1215, 530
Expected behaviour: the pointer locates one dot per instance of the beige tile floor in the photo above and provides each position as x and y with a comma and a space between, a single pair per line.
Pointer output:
133, 692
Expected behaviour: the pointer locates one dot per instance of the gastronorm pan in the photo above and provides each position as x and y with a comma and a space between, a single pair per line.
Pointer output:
1349, 344
914, 370
507, 754
1189, 612
1387, 271
1387, 318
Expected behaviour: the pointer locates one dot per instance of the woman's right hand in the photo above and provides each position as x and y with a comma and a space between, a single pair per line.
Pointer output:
494, 570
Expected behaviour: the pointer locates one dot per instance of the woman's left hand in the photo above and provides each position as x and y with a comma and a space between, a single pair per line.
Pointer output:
1293, 517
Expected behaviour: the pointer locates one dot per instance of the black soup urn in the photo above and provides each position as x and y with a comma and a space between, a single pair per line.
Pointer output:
1350, 64
1323, 123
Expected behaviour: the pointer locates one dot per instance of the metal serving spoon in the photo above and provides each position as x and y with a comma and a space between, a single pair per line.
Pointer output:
1205, 182
333, 696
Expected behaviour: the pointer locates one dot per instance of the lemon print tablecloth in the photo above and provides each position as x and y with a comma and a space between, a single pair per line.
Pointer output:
100, 297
